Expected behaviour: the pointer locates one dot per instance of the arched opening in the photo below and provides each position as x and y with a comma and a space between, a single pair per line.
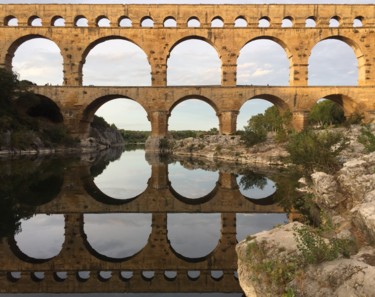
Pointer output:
170, 22
193, 62
327, 112
333, 109
125, 22
193, 114
103, 21
58, 21
42, 236
240, 22
193, 235
192, 184
38, 60
249, 223
147, 22
334, 22
35, 21
193, 22
126, 177
117, 235
263, 62
217, 22
310, 22
287, 22
81, 21
40, 107
264, 22
11, 21
121, 63
333, 62
251, 108
358, 21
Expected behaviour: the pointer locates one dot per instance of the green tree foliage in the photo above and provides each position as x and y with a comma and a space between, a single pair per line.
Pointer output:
316, 150
271, 121
326, 112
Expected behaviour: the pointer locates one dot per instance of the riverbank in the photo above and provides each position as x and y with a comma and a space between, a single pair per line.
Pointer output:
334, 258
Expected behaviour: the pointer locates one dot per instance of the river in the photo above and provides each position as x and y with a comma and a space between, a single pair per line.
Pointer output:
123, 222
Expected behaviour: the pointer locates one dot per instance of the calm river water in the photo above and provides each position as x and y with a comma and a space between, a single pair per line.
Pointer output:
122, 222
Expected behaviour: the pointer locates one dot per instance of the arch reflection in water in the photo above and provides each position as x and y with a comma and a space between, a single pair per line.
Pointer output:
42, 236
194, 235
255, 186
117, 236
125, 178
249, 223
194, 183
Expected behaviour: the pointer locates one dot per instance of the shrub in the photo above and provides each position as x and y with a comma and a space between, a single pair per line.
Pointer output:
367, 138
316, 150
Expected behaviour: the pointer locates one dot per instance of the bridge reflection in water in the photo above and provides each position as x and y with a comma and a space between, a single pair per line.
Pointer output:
158, 265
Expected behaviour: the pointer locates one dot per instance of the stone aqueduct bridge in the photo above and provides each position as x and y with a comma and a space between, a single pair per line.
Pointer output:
78, 103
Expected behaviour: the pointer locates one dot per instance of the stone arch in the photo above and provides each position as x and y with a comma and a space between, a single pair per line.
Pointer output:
310, 22
79, 18
169, 21
9, 19
287, 22
45, 108
357, 50
32, 19
188, 38
194, 22
102, 21
358, 21
217, 22
281, 105
56, 19
264, 22
147, 22
240, 21
124, 21
199, 97
18, 42
335, 21
276, 40
89, 111
347, 103
101, 40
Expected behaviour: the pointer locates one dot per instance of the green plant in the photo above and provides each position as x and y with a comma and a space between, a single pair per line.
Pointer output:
315, 249
326, 112
316, 149
367, 138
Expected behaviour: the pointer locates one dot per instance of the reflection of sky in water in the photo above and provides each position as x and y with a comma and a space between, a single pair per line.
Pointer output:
194, 235
255, 192
251, 223
117, 235
192, 183
42, 236
125, 178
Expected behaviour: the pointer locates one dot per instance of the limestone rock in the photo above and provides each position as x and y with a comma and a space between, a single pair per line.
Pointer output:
364, 219
326, 190
278, 244
339, 278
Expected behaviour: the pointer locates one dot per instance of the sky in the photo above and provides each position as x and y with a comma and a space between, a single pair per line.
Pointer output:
193, 62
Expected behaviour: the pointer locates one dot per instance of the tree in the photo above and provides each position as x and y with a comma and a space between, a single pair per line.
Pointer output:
326, 112
271, 121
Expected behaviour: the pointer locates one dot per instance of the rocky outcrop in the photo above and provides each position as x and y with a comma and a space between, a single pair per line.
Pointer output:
347, 199
230, 148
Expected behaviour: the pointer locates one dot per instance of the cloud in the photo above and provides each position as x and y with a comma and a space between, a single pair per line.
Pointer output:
261, 72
